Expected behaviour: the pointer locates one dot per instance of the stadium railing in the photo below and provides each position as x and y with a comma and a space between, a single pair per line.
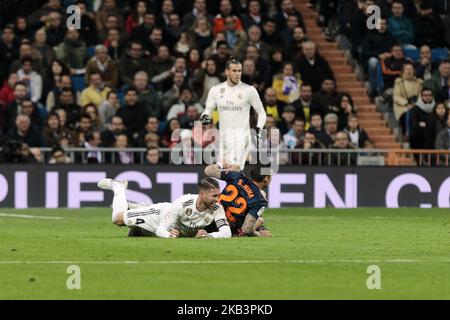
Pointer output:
318, 157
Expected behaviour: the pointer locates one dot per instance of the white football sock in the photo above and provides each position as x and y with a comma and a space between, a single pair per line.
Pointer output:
119, 204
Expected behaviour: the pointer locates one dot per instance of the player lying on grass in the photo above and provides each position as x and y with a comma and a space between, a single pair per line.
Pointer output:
186, 217
243, 198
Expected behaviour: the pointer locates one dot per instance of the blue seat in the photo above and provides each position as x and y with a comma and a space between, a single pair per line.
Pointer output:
439, 54
91, 51
413, 54
78, 83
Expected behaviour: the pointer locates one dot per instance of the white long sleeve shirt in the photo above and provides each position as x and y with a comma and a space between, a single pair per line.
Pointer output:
234, 105
184, 216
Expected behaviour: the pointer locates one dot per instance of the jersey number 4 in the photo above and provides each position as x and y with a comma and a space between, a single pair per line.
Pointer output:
231, 196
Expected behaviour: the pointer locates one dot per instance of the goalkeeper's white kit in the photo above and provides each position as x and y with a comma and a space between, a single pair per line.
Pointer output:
234, 105
182, 215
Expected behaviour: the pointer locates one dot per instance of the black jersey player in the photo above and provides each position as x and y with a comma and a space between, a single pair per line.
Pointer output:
243, 198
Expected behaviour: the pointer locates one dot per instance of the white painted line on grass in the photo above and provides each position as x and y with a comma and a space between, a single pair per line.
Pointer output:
165, 262
27, 216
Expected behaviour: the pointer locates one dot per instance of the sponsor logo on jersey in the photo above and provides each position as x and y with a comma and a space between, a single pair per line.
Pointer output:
230, 108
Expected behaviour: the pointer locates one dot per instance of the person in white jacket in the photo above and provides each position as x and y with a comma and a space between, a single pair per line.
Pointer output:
188, 216
31, 78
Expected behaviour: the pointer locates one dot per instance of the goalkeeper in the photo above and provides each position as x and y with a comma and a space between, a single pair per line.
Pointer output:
234, 100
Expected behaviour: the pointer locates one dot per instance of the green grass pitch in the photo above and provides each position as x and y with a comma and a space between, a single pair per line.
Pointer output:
314, 254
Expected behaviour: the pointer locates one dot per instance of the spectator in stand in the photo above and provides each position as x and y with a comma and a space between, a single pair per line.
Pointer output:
107, 9
53, 132
24, 132
250, 75
167, 8
40, 49
25, 50
165, 79
287, 84
186, 99
204, 79
199, 10
346, 108
400, 26
101, 63
190, 116
342, 142
226, 9
391, 68
58, 156
108, 108
294, 137
442, 141
406, 90
147, 95
83, 127
376, 47
14, 108
171, 126
115, 44
171, 96
254, 16
131, 62
295, 47
153, 156
287, 8
58, 77
327, 99
155, 39
221, 57
177, 35
310, 143
152, 126
133, 113
305, 103
122, 157
287, 119
419, 116
31, 79
136, 17
42, 15
30, 109
439, 81
72, 109
271, 104
9, 51
331, 129
22, 30
142, 32
88, 29
254, 39
252, 53
202, 32
313, 67
316, 128
271, 34
72, 52
194, 61
92, 143
287, 35
236, 38
97, 91
55, 29
7, 92
92, 111
358, 136
425, 66
108, 136
428, 27
436, 122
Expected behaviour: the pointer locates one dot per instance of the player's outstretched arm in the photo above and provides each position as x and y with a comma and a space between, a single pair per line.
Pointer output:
214, 170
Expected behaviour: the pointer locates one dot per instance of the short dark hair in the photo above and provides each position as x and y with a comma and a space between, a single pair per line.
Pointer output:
131, 89
232, 61
208, 183
258, 173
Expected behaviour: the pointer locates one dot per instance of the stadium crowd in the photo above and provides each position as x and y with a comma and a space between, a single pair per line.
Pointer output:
137, 71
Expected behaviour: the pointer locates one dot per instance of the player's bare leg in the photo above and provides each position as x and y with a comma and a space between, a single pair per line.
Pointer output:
120, 203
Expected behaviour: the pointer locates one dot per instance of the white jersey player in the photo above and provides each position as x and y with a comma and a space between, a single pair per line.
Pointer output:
187, 216
234, 100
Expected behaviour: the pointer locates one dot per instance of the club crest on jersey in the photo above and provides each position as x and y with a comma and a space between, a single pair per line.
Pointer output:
207, 220
222, 90
189, 212
239, 95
